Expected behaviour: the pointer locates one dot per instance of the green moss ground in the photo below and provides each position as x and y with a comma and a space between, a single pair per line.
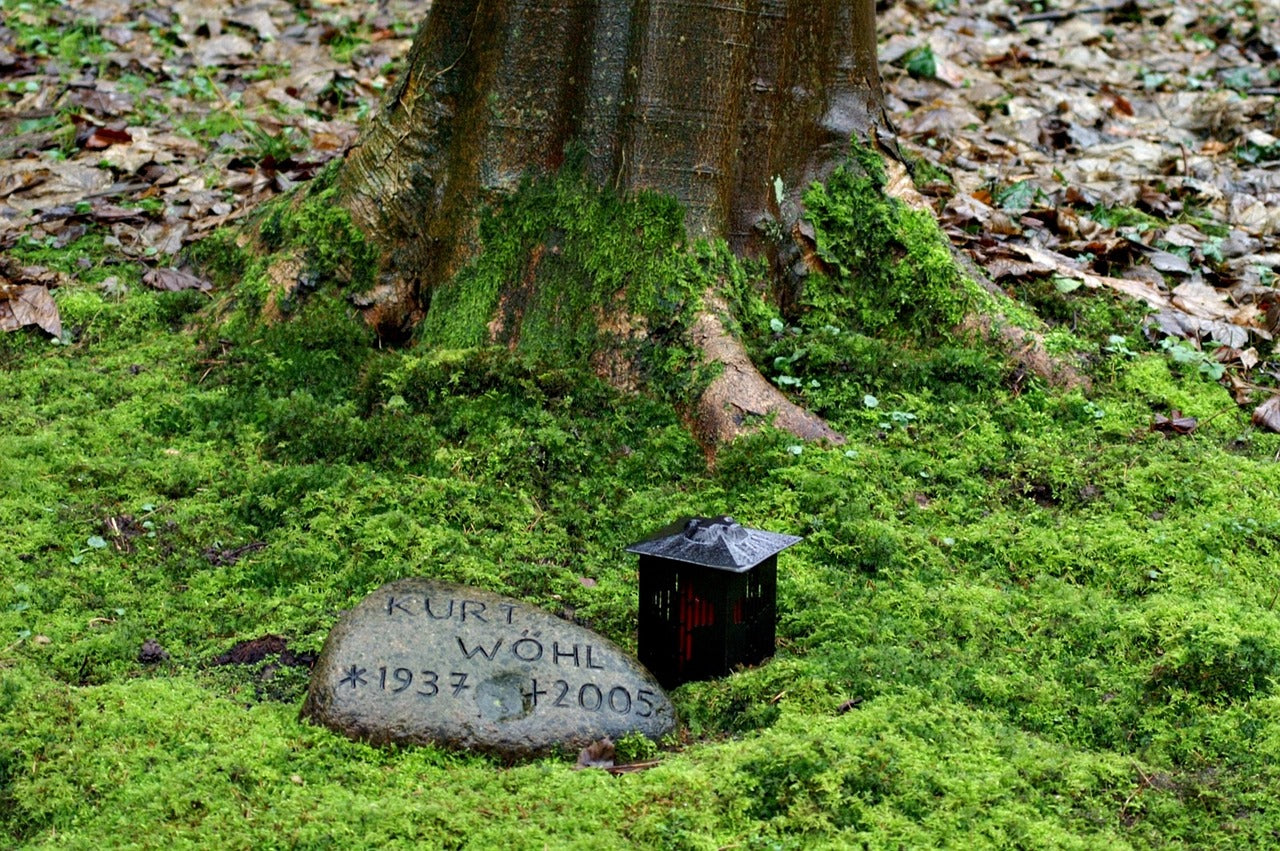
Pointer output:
1018, 619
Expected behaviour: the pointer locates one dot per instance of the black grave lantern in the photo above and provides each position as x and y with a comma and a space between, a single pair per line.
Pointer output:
708, 598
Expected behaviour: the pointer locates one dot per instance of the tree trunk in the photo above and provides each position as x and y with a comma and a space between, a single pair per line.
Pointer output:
733, 108
711, 103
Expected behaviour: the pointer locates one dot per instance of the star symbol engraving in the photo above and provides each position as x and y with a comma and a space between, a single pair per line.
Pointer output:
355, 676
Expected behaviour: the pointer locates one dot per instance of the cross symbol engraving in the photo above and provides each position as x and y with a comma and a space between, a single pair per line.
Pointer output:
355, 676
533, 694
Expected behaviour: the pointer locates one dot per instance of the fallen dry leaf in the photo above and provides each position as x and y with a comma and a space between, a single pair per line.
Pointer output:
103, 101
1177, 323
28, 304
1165, 261
1201, 300
1267, 415
255, 18
1241, 389
95, 138
1177, 424
172, 280
598, 754
222, 50
42, 185
1247, 358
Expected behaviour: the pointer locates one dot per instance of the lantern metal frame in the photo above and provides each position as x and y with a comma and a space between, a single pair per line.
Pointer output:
708, 598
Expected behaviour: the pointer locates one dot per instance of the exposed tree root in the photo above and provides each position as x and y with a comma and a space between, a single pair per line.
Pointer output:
1024, 346
1026, 349
740, 398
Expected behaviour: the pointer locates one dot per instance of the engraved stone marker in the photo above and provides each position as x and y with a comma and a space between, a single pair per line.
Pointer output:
420, 661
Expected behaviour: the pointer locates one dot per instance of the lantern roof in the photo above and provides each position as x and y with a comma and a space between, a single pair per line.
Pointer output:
717, 542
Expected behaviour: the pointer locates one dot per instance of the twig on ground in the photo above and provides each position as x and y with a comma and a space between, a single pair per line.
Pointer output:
632, 767
1067, 14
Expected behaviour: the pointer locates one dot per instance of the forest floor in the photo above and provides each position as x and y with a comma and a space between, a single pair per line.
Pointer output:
1020, 617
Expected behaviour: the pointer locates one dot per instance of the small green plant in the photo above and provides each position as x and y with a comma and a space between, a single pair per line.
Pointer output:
1187, 354
269, 71
1118, 217
1065, 285
899, 419
147, 205
1255, 154
1094, 411
346, 42
634, 747
920, 62
1238, 79
1019, 196
783, 366
1151, 80
1118, 345
1203, 41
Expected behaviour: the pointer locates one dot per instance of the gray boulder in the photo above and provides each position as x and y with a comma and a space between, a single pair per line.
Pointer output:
419, 661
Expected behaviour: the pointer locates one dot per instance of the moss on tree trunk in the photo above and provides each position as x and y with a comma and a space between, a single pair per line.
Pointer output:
575, 180
716, 105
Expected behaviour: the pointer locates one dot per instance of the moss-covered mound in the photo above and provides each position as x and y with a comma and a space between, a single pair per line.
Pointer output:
1019, 618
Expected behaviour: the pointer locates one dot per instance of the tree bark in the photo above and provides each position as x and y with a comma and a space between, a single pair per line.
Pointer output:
732, 107
712, 103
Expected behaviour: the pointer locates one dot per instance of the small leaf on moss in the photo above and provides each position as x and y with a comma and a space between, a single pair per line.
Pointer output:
598, 754
1176, 424
1267, 415
172, 280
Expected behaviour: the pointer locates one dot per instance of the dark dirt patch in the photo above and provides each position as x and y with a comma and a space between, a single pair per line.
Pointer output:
255, 650
121, 530
152, 653
228, 557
